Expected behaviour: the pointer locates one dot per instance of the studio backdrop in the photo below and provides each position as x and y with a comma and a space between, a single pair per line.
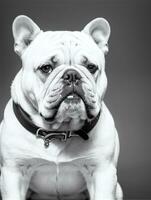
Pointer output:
128, 69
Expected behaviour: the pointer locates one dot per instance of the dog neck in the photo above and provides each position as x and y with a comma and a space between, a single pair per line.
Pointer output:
49, 135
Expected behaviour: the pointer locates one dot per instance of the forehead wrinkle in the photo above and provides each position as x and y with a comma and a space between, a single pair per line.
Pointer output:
72, 45
68, 43
68, 46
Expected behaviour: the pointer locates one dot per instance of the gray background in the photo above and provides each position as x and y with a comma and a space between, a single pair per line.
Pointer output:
127, 65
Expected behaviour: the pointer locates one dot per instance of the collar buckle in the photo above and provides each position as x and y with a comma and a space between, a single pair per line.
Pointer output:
71, 134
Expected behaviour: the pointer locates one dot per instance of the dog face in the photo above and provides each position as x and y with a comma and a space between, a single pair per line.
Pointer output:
63, 73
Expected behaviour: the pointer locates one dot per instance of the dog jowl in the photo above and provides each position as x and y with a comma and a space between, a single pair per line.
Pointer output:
58, 139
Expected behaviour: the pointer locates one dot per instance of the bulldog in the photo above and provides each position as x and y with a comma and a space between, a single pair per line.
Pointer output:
58, 140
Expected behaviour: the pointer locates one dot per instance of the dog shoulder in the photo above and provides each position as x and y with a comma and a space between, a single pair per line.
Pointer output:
107, 117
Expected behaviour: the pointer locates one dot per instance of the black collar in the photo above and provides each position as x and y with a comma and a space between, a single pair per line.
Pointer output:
47, 135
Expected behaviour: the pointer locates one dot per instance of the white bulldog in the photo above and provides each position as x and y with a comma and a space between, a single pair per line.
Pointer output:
58, 139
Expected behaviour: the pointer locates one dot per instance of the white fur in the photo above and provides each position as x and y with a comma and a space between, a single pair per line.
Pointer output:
65, 169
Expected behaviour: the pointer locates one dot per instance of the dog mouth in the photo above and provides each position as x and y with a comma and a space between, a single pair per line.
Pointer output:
72, 99
71, 95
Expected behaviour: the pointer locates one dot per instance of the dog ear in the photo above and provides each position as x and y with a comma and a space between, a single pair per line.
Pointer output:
24, 32
99, 30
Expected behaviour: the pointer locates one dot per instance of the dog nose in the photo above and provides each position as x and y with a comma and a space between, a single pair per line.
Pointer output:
71, 76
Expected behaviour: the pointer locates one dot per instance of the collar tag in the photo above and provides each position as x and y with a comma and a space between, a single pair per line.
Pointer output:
48, 136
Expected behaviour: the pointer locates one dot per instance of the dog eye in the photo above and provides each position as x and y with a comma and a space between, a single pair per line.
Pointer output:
46, 68
92, 68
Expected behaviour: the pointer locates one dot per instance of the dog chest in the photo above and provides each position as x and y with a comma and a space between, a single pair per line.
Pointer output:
60, 179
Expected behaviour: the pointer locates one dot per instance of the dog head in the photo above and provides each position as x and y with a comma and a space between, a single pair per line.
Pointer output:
63, 73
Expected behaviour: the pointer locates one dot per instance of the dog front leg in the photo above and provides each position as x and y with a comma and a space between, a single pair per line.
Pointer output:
13, 184
102, 183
